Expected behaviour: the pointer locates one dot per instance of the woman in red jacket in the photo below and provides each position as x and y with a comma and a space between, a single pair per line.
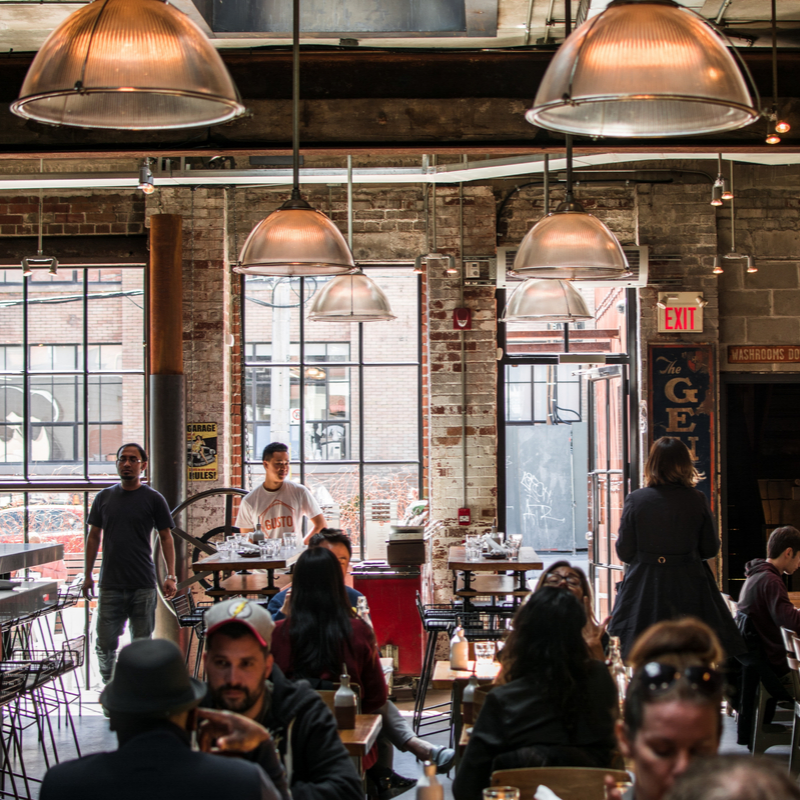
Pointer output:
322, 633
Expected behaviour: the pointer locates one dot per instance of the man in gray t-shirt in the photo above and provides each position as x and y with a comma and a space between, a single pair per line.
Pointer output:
125, 516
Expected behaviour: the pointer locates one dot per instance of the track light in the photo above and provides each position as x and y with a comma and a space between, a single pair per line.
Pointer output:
727, 192
669, 298
701, 301
26, 268
717, 267
716, 194
772, 137
751, 267
782, 127
146, 183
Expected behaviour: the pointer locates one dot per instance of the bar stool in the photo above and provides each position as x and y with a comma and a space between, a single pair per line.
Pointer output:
436, 618
190, 615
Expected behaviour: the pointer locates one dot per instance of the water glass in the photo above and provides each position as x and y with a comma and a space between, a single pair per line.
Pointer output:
501, 793
472, 546
288, 544
513, 543
484, 654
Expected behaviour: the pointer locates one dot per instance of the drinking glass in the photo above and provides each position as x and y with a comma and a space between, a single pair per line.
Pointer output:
501, 793
288, 544
484, 654
514, 542
224, 551
472, 546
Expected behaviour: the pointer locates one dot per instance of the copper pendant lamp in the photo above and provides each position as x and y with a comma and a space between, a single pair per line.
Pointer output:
128, 65
354, 297
570, 244
644, 68
295, 239
546, 301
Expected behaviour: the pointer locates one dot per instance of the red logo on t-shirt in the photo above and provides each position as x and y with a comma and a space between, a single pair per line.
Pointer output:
272, 518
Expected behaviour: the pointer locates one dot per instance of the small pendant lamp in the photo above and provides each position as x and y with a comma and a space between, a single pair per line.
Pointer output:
353, 297
128, 65
570, 244
643, 68
546, 301
295, 239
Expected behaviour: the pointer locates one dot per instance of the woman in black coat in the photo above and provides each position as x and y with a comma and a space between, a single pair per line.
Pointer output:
557, 707
665, 536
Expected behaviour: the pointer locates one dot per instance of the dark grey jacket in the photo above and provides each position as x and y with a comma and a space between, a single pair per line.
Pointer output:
158, 765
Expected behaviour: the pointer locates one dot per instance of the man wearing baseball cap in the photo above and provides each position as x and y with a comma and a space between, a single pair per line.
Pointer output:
152, 705
242, 678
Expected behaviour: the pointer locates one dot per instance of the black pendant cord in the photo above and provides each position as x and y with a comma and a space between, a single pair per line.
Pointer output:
774, 58
568, 198
296, 99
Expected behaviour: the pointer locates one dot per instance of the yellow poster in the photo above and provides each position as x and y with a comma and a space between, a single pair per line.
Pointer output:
201, 448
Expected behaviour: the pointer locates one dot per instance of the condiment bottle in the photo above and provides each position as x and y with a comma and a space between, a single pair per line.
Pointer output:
459, 650
428, 786
362, 609
344, 703
617, 668
468, 700
257, 535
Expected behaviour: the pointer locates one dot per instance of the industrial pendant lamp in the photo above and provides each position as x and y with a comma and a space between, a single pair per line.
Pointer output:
128, 65
643, 68
295, 239
353, 297
546, 301
569, 243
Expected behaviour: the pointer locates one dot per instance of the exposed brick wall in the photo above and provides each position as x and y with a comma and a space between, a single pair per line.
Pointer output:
761, 307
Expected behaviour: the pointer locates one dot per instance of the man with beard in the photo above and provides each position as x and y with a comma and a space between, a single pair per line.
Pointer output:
125, 516
242, 677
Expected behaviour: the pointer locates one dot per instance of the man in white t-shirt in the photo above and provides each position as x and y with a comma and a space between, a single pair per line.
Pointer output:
279, 505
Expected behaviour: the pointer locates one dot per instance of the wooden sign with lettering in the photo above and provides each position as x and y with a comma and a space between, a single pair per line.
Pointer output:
681, 402
763, 354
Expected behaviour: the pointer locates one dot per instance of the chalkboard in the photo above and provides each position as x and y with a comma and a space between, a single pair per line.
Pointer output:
546, 489
682, 403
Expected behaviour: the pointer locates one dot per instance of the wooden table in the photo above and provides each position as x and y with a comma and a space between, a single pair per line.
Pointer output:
794, 598
215, 566
359, 741
457, 562
456, 680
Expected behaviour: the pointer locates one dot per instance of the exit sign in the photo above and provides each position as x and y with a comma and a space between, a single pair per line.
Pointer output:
680, 312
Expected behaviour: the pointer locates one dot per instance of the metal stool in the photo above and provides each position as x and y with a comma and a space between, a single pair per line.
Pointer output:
190, 615
436, 618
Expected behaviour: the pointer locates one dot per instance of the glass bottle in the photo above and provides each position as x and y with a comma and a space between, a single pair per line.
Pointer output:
428, 786
468, 700
344, 703
459, 650
617, 668
362, 609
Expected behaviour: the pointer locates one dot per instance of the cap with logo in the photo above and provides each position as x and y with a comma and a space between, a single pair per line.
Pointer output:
249, 614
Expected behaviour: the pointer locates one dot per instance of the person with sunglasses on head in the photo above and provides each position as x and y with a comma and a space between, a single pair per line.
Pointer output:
666, 534
673, 707
124, 517
557, 705
562, 574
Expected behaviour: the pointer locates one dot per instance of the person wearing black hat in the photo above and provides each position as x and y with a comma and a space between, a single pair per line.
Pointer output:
152, 704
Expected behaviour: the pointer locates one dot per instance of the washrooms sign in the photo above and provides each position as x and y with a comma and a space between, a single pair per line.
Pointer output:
681, 402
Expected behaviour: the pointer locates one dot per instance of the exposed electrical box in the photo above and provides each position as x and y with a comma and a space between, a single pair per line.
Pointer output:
480, 271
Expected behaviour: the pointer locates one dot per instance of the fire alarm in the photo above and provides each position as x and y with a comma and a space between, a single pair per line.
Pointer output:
462, 319
463, 516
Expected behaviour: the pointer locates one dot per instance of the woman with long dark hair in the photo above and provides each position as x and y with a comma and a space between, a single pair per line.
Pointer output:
557, 707
564, 575
322, 633
665, 536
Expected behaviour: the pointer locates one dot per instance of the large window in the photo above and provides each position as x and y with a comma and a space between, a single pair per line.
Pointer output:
344, 396
71, 371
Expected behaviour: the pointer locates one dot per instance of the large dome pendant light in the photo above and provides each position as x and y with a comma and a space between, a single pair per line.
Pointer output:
644, 68
295, 239
354, 297
546, 301
128, 65
570, 244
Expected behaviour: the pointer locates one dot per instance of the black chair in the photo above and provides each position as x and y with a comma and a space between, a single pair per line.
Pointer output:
190, 615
